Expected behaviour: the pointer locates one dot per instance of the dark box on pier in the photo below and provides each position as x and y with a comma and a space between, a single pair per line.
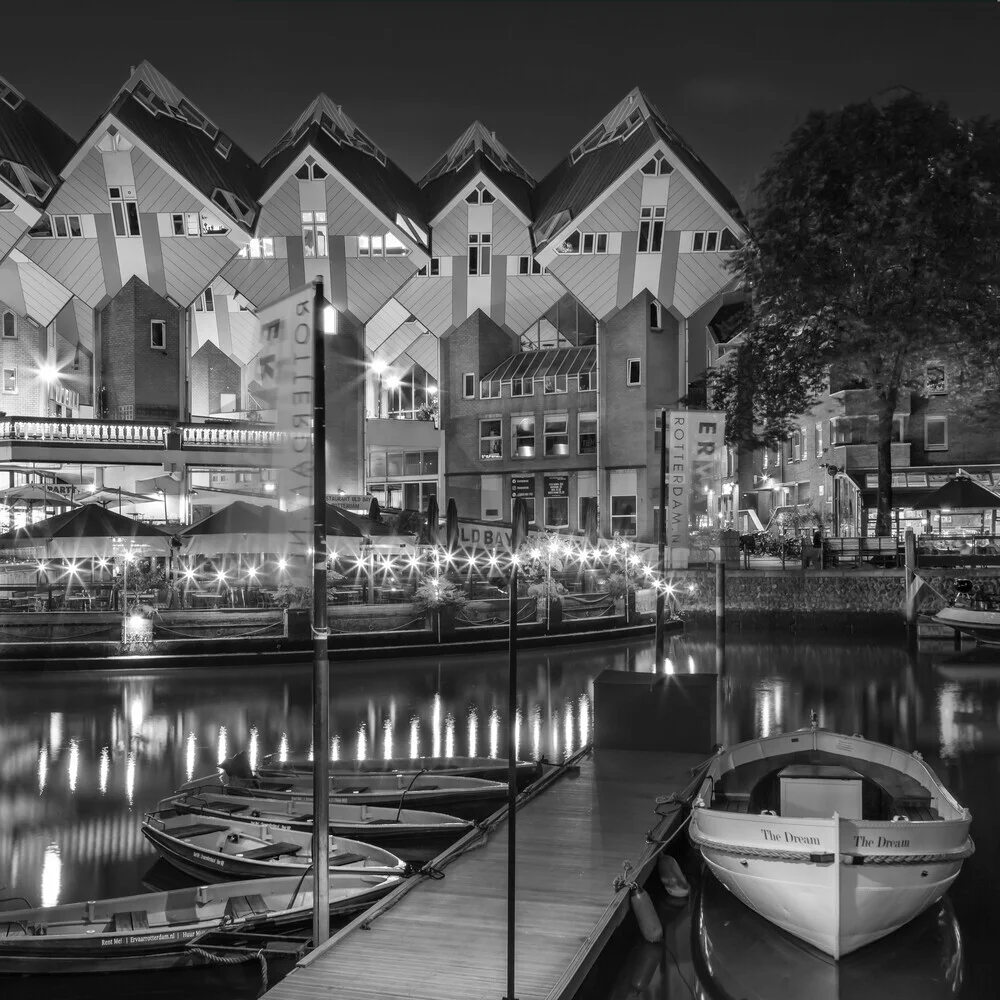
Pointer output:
655, 711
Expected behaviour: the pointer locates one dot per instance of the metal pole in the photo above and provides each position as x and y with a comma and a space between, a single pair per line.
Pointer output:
511, 770
321, 662
661, 596
720, 601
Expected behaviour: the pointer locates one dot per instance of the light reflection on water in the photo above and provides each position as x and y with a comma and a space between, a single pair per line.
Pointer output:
84, 758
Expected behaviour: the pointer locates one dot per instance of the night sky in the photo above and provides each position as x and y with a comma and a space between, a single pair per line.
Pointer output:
733, 78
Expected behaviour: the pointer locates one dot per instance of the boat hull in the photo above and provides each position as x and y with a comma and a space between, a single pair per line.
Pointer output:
982, 625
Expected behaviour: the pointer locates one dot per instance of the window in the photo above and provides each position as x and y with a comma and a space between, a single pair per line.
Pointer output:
657, 166
6, 205
585, 382
554, 384
310, 171
633, 371
234, 206
491, 497
158, 334
431, 269
60, 227
586, 433
796, 446
10, 380
588, 243
623, 519
489, 390
711, 242
479, 253
936, 433
42, 229
556, 435
655, 316
602, 243
10, 96
258, 248
124, 211
490, 439
935, 378
190, 224
698, 243
9, 326
571, 244
314, 234
522, 387
557, 512
819, 439
209, 298
528, 265
727, 241
469, 385
523, 437
23, 180
223, 146
651, 222
805, 443
210, 226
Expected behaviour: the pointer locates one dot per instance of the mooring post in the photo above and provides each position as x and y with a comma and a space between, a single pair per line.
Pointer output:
720, 601
909, 585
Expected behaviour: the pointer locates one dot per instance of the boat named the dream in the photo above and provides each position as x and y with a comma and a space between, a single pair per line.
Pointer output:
836, 839
972, 611
220, 850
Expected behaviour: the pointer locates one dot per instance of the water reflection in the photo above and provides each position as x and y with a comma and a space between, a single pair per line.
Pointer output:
81, 760
51, 880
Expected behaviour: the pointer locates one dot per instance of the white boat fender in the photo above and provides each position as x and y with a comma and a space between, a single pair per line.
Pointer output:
646, 915
672, 877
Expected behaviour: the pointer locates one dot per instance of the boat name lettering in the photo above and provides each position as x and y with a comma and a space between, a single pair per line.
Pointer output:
208, 857
880, 841
789, 838
142, 938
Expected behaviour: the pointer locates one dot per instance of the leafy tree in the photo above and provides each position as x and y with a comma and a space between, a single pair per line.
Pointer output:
874, 246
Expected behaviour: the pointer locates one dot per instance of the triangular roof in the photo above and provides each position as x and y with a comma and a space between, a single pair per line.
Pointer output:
604, 154
477, 150
334, 135
186, 139
33, 140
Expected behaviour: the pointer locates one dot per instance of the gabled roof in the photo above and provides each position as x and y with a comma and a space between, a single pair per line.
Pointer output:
604, 153
477, 150
29, 138
159, 115
325, 127
539, 364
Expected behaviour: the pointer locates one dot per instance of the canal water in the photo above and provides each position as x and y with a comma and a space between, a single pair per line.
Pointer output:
84, 755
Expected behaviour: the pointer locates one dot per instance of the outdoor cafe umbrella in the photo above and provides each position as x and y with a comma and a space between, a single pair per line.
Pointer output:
590, 522
451, 525
34, 493
375, 511
239, 528
87, 532
432, 520
958, 494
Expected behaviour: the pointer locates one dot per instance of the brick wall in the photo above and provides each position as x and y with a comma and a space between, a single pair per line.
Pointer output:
24, 353
212, 373
135, 374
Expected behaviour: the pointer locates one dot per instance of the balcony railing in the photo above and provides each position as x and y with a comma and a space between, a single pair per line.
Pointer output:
117, 433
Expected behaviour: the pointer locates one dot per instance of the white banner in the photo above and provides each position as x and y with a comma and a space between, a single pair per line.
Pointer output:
285, 360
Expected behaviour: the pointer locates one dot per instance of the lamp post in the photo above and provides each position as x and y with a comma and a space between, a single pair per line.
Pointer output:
379, 368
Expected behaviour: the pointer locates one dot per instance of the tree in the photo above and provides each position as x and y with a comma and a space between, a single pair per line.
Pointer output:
874, 246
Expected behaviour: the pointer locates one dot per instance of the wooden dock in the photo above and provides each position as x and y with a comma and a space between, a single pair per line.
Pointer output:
445, 938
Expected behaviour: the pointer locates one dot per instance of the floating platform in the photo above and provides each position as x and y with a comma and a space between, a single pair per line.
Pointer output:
445, 938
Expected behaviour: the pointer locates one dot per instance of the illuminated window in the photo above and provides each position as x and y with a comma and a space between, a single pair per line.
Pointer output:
523, 436
10, 381
314, 234
490, 439
571, 244
556, 435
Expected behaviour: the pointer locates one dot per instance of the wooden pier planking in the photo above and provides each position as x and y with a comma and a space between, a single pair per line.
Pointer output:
446, 939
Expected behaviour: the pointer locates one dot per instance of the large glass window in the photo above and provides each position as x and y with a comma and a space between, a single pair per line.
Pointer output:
556, 434
490, 439
479, 253
522, 387
586, 424
557, 512
623, 517
936, 433
554, 384
651, 222
314, 234
523, 436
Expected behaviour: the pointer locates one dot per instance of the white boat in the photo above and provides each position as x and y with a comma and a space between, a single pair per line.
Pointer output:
836, 839
973, 611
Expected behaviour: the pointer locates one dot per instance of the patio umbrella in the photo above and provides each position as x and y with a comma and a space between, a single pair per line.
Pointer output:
34, 493
86, 533
375, 511
590, 523
238, 528
432, 520
451, 525
960, 493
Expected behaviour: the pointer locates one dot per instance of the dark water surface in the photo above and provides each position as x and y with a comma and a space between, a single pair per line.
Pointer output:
83, 755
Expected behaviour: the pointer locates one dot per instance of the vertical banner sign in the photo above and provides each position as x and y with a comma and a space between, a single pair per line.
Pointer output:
695, 466
285, 360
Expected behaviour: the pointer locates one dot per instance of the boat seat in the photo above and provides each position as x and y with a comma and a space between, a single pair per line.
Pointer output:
336, 860
194, 830
228, 807
128, 920
240, 907
916, 812
269, 851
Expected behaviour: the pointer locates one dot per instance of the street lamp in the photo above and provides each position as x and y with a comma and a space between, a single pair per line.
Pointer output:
379, 367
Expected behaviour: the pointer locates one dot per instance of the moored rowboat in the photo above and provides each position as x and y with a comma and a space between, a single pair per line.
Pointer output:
836, 839
218, 851
153, 930
400, 828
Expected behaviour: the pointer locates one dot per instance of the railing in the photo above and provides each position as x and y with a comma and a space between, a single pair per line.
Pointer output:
136, 433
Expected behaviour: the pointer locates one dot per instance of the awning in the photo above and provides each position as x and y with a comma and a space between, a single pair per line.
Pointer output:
913, 483
539, 364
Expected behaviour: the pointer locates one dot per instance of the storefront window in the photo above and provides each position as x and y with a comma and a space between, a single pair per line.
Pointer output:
490, 439
623, 517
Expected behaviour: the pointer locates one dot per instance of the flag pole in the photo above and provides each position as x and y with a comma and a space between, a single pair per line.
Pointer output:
321, 661
515, 541
662, 533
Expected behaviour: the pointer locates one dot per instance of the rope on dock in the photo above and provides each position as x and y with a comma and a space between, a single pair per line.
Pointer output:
216, 959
